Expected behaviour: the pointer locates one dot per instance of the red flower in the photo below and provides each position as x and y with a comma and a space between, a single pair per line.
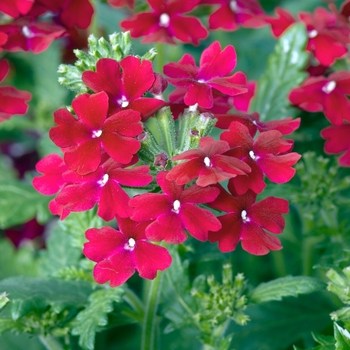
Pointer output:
12, 101
16, 8
215, 64
247, 221
338, 141
71, 13
120, 253
281, 23
265, 155
52, 167
175, 210
122, 3
233, 13
325, 94
166, 22
83, 139
102, 187
328, 37
125, 82
207, 164
242, 102
27, 35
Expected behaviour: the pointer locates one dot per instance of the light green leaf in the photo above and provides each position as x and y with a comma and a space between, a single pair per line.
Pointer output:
94, 316
36, 294
19, 202
342, 337
59, 253
284, 287
284, 72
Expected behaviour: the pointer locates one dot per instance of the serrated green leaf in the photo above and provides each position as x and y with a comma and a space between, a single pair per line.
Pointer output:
36, 294
342, 337
60, 252
94, 316
284, 71
19, 202
284, 287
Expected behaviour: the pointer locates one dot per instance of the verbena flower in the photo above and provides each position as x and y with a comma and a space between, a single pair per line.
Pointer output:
12, 101
165, 22
119, 253
338, 141
122, 3
125, 83
175, 210
16, 8
215, 65
247, 221
82, 139
207, 164
326, 94
265, 155
234, 13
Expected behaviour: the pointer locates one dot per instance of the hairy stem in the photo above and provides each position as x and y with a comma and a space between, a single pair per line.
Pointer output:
149, 325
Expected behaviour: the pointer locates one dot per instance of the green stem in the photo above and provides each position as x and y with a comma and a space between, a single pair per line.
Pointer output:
160, 57
149, 321
136, 304
279, 263
50, 342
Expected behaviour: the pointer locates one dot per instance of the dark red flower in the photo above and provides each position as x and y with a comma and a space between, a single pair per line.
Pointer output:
265, 155
119, 253
12, 101
338, 141
207, 164
175, 210
325, 94
28, 35
82, 139
125, 82
16, 8
246, 221
233, 13
166, 22
212, 72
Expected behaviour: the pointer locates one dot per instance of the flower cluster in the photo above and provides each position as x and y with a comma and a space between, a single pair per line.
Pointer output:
108, 147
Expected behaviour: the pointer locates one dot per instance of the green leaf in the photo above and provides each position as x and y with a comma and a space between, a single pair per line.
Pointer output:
277, 325
284, 287
60, 252
342, 337
15, 262
284, 71
20, 202
36, 294
94, 316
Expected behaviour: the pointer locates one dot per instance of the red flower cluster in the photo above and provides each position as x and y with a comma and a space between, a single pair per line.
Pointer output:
100, 140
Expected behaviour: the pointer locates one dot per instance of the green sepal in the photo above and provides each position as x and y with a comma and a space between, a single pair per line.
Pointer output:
342, 338
193, 126
3, 300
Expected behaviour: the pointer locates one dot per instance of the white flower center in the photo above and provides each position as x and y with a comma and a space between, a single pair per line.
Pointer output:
176, 206
207, 161
27, 32
123, 102
130, 245
96, 133
201, 81
252, 155
164, 20
313, 33
244, 216
104, 180
329, 87
233, 6
193, 108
